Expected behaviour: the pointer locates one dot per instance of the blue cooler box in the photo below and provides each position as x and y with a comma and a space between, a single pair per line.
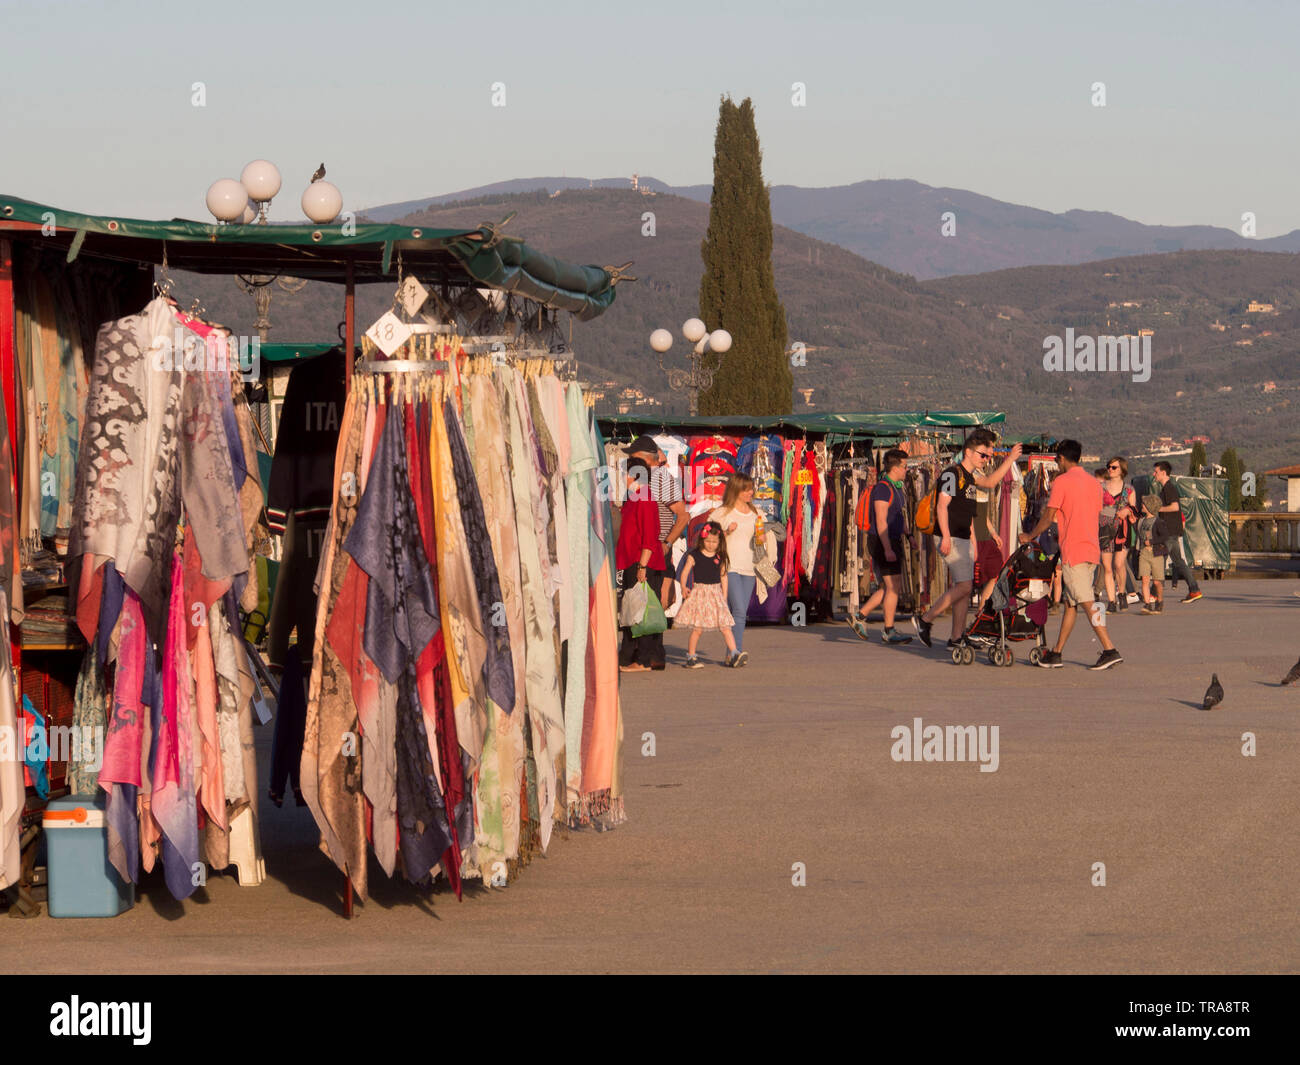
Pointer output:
82, 882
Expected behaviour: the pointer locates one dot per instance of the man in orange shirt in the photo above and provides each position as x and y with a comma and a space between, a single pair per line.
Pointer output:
1075, 506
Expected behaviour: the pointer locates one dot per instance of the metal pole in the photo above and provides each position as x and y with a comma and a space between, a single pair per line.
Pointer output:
349, 340
8, 374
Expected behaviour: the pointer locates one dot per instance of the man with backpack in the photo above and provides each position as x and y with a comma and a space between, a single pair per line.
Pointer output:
953, 508
880, 516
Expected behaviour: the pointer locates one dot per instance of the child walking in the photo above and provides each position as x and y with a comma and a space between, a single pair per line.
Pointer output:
704, 605
1151, 558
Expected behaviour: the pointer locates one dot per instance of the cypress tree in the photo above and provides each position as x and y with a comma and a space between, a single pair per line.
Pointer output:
1232, 470
1251, 502
1197, 460
737, 291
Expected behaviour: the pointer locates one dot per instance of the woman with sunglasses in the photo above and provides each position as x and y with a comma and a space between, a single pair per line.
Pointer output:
1118, 511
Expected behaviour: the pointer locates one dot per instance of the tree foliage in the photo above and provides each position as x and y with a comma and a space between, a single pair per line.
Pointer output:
737, 291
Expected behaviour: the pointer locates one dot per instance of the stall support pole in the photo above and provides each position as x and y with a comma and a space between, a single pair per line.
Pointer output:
350, 320
349, 342
8, 374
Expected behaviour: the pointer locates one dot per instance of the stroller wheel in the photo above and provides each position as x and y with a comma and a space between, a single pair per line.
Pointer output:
967, 655
1035, 656
1010, 658
957, 656
992, 656
998, 657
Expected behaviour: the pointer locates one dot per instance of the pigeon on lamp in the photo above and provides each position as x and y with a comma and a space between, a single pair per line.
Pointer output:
320, 173
1294, 675
1213, 694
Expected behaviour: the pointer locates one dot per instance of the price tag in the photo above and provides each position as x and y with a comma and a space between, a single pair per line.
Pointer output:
412, 295
389, 333
803, 477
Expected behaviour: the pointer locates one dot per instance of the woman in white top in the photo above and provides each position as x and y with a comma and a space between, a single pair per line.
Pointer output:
738, 519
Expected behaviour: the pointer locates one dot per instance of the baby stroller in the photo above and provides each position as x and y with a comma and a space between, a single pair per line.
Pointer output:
1016, 610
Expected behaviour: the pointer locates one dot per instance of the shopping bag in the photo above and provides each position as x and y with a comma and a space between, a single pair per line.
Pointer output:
633, 608
764, 570
653, 619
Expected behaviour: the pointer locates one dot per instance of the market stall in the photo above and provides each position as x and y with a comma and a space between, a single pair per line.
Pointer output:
810, 472
114, 408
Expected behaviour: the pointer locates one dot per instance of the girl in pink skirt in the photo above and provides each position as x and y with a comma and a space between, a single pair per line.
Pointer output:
704, 575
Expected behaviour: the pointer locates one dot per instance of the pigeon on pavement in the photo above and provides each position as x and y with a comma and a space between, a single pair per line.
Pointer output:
1213, 694
1294, 675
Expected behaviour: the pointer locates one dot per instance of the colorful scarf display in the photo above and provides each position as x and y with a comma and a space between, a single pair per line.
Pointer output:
479, 500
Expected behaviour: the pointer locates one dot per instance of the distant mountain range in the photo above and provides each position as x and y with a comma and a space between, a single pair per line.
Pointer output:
899, 225
877, 339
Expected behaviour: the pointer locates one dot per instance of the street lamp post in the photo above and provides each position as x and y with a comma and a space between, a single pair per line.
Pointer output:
699, 378
245, 202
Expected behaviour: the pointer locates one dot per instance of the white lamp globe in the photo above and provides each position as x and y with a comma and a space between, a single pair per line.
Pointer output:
322, 202
720, 341
227, 199
250, 214
261, 179
693, 330
661, 340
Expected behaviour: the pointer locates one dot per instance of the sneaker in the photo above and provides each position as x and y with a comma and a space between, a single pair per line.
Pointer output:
731, 661
693, 663
1050, 660
1107, 659
859, 626
893, 637
1111, 607
1160, 607
741, 658
922, 629
1191, 597
1148, 608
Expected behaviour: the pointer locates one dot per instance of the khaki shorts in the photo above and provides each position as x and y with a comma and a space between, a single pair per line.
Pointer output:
1077, 583
1151, 565
960, 560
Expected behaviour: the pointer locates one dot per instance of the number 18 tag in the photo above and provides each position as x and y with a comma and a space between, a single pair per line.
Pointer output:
389, 333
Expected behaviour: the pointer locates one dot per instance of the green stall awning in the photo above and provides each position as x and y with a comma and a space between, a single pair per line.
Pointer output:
457, 258
856, 423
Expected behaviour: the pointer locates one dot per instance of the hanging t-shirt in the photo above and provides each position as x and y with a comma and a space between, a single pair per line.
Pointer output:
716, 444
711, 476
957, 483
675, 449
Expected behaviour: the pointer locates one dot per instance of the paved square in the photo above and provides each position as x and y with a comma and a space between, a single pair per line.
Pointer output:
910, 867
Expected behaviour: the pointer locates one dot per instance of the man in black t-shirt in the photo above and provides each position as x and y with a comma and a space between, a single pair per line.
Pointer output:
1171, 518
953, 519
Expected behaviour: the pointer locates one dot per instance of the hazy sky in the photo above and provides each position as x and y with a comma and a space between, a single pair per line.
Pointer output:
396, 98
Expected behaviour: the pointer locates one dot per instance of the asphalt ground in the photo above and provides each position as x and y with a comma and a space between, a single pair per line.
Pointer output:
907, 867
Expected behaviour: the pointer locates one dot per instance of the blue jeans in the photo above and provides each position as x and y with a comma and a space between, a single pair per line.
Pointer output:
740, 591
